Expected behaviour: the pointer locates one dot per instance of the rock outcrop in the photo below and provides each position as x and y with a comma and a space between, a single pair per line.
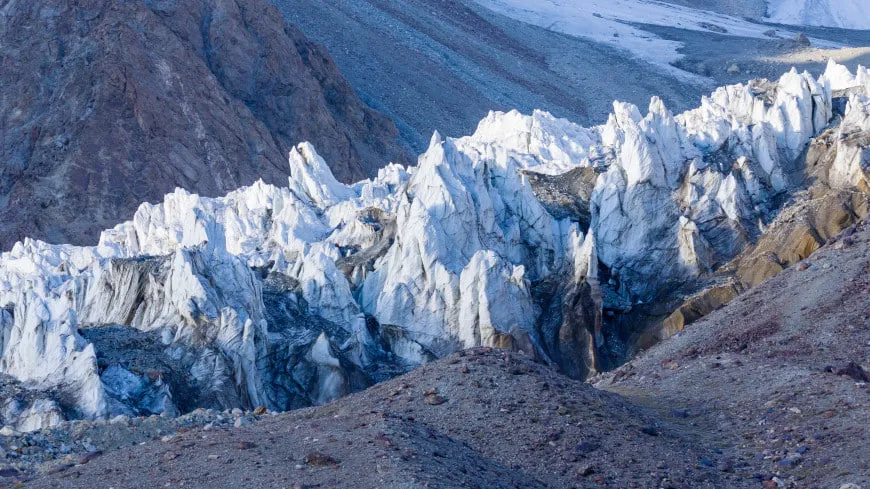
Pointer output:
104, 105
289, 296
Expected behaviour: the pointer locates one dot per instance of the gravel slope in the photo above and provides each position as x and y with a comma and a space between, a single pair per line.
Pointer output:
481, 418
778, 376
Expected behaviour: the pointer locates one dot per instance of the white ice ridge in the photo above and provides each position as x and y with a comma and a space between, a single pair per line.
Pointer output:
291, 296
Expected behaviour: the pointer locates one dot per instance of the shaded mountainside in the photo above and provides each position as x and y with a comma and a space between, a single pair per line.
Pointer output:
104, 105
443, 64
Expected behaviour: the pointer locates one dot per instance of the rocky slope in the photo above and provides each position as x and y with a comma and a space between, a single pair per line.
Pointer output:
104, 105
777, 378
480, 418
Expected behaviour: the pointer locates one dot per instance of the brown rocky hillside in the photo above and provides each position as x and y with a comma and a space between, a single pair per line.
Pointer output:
106, 104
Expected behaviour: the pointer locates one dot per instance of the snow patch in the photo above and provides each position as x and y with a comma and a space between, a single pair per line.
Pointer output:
845, 14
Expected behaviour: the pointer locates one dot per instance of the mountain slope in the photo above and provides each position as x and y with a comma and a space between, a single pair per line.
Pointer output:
443, 65
107, 104
479, 419
778, 377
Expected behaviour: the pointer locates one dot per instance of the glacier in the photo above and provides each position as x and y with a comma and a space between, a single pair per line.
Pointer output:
518, 236
845, 14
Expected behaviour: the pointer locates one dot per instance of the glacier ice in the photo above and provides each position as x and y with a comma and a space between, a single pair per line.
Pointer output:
286, 297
